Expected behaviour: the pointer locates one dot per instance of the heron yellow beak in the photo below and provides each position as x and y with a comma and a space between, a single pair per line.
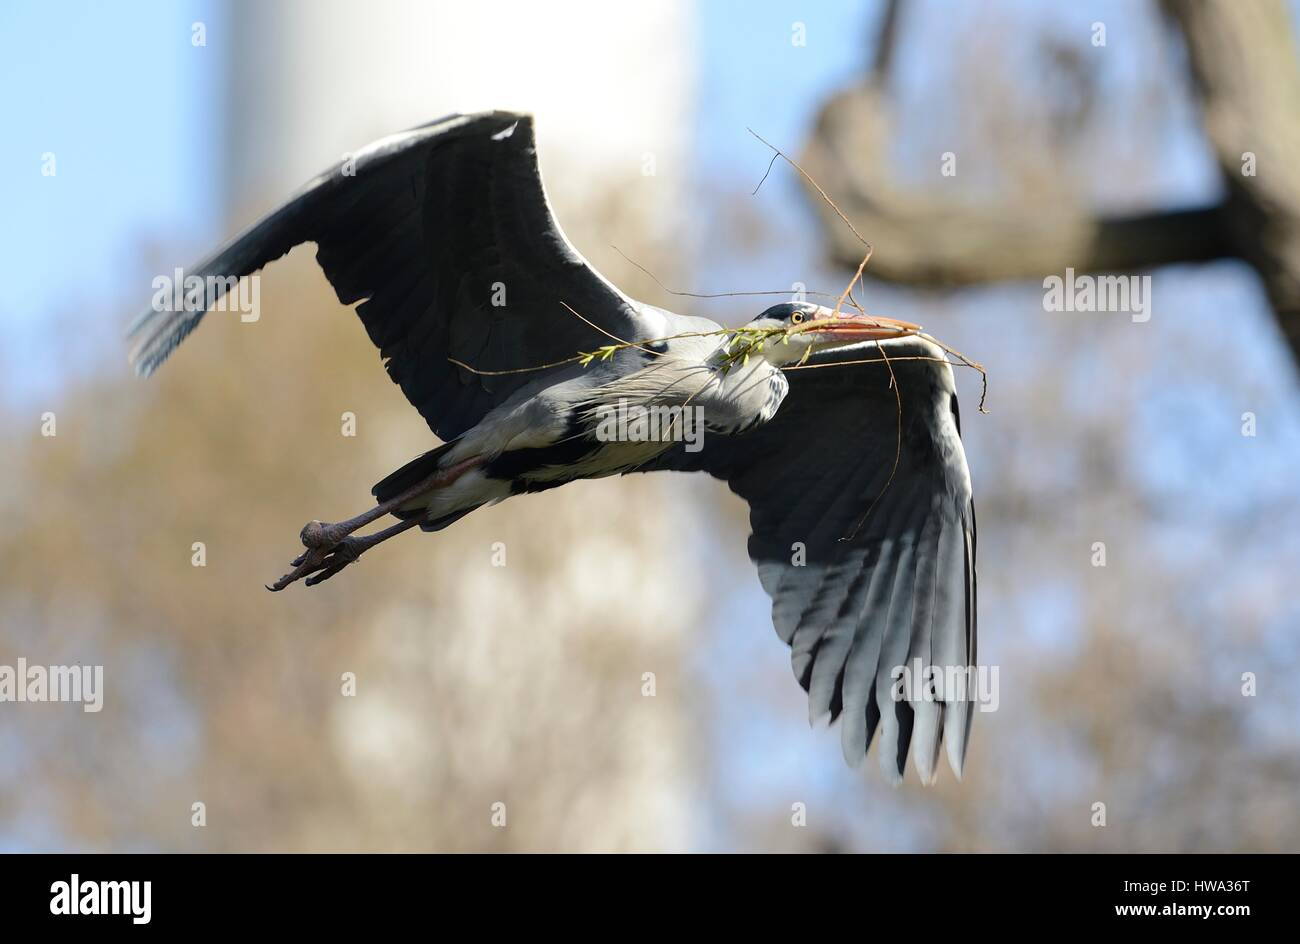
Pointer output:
855, 327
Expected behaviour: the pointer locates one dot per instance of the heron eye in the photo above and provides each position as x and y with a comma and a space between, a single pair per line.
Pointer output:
797, 318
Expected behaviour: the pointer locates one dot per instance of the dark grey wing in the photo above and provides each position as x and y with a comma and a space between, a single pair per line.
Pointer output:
431, 230
856, 596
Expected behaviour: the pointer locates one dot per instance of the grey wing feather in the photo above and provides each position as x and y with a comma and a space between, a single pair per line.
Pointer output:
427, 229
888, 574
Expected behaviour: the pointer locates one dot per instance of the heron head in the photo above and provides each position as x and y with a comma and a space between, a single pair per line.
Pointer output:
811, 328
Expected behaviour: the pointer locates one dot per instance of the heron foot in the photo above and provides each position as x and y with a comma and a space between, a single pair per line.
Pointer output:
318, 534
321, 562
324, 558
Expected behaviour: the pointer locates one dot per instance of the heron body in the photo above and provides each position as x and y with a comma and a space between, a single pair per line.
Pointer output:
544, 438
863, 526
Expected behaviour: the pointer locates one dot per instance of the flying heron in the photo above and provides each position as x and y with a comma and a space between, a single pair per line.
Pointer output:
514, 350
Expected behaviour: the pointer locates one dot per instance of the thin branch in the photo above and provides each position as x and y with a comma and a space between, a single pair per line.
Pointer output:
770, 165
517, 370
608, 334
671, 291
777, 152
808, 177
886, 40
848, 290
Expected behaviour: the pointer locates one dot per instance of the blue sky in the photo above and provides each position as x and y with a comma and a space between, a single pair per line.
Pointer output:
126, 105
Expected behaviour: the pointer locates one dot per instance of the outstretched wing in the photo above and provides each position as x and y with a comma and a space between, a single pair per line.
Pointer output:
445, 235
864, 537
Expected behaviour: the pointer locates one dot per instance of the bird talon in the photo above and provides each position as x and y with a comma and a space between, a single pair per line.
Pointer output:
318, 564
310, 561
280, 584
333, 563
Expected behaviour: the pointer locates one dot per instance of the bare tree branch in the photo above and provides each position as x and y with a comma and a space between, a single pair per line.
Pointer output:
933, 241
885, 43
1243, 60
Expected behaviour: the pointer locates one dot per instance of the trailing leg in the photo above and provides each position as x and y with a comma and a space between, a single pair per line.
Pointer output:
331, 547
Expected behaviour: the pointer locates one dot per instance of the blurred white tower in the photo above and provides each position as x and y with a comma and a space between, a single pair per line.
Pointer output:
610, 85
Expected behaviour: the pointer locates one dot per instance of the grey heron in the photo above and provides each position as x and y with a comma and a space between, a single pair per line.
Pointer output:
863, 527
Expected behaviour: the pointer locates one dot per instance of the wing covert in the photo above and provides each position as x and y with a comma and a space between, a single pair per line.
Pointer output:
445, 236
